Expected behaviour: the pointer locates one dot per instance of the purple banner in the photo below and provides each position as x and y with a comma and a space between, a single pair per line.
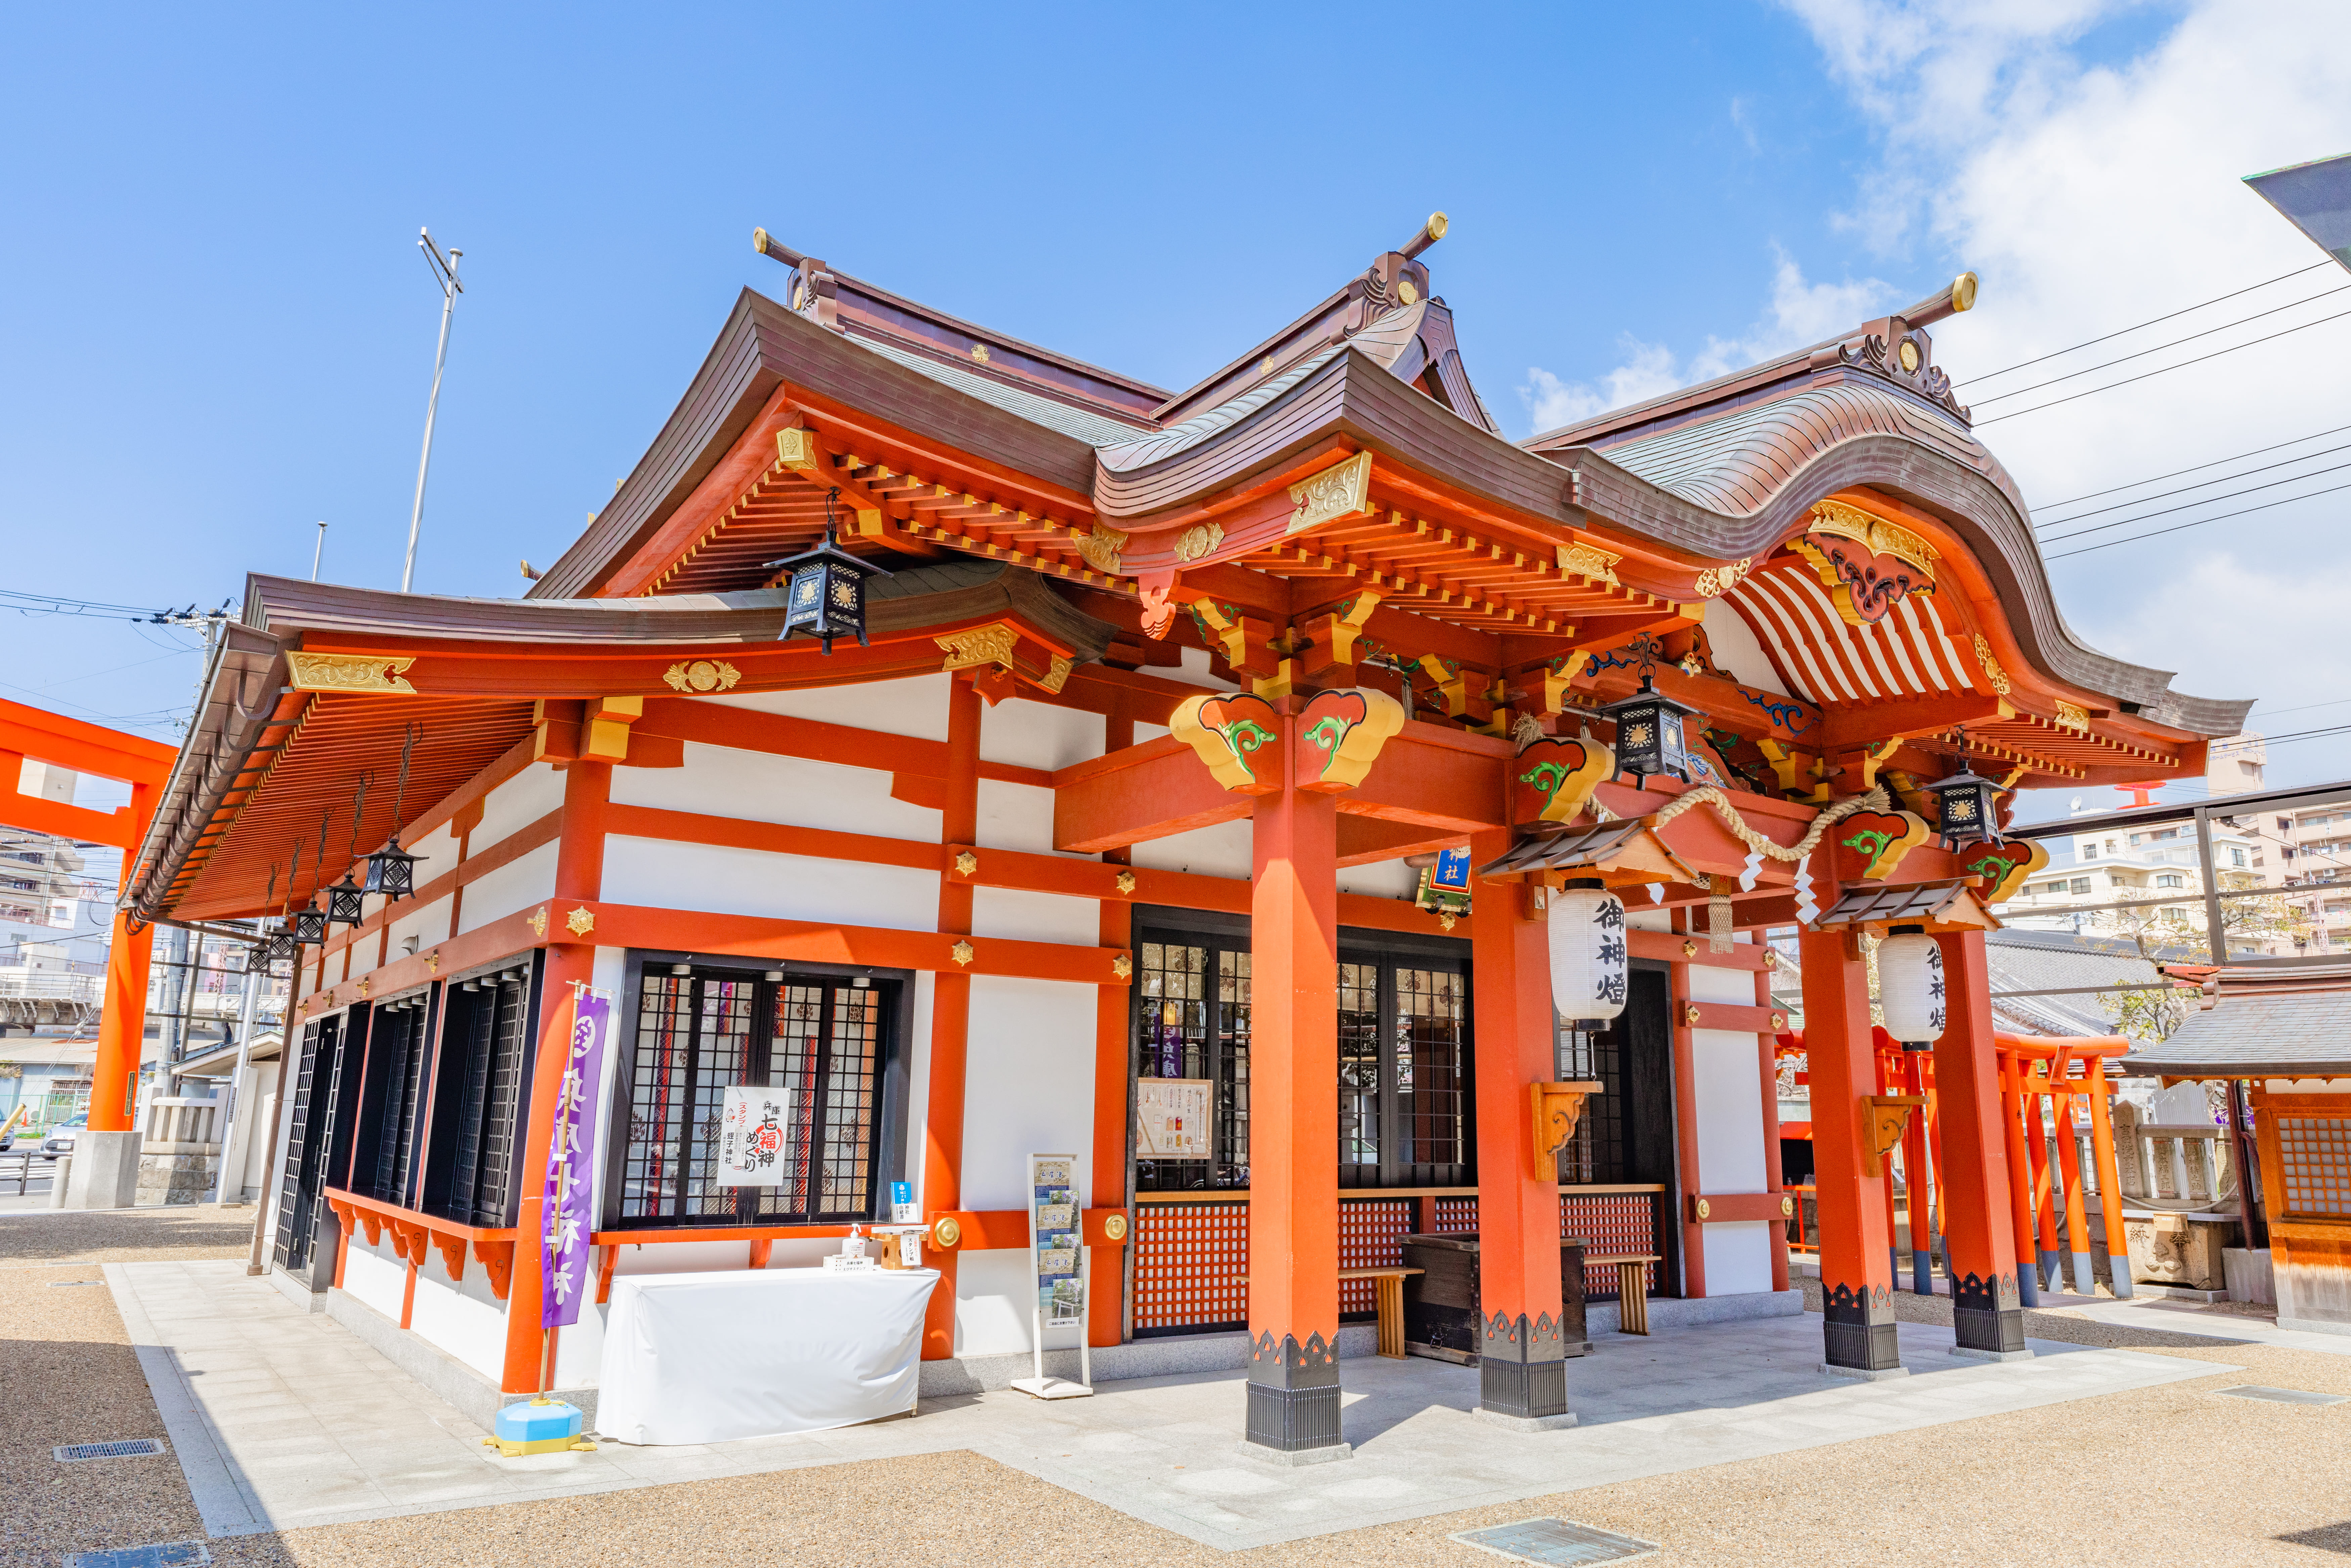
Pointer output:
570, 1159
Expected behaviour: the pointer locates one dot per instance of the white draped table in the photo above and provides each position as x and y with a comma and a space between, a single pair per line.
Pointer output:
749, 1352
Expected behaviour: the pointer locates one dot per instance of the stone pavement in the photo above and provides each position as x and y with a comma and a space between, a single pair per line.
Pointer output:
283, 1419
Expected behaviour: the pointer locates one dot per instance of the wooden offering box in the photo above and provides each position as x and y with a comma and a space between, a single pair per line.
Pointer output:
1440, 1303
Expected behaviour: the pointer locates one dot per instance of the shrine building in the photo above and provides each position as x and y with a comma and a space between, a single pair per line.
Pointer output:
1328, 819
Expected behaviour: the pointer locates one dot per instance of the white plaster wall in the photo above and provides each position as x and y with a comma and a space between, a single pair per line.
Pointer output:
720, 880
375, 1274
435, 853
1736, 650
516, 886
1038, 734
263, 1099
681, 1257
1016, 817
915, 706
518, 803
1640, 916
1029, 1083
464, 1319
1029, 1077
918, 1082
1711, 984
1729, 1111
1014, 914
427, 922
1738, 1257
720, 781
1221, 849
996, 1304
1380, 878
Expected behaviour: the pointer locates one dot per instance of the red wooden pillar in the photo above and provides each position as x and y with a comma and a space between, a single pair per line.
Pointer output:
1113, 1035
2019, 1169
1856, 1265
1767, 1051
1522, 1364
122, 1019
1978, 1226
950, 1017
1918, 1175
579, 879
1293, 1236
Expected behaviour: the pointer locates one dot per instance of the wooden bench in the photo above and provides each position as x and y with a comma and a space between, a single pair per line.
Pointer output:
1387, 1288
1632, 1288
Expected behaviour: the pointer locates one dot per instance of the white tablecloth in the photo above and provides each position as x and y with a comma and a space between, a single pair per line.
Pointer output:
749, 1353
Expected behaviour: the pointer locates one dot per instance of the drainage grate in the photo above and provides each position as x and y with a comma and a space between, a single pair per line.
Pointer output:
129, 1449
2283, 1395
64, 1284
166, 1554
1556, 1540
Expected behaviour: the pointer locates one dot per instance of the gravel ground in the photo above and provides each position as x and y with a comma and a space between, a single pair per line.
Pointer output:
2214, 1480
125, 1235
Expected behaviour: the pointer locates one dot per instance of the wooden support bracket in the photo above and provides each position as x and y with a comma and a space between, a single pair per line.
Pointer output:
1557, 1108
1886, 1116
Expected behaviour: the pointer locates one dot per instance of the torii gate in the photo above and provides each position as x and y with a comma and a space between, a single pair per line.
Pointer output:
106, 1163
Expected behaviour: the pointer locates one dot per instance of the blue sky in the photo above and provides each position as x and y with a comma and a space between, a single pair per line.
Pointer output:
220, 330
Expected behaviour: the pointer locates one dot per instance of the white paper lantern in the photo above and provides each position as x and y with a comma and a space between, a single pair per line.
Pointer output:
1910, 988
1587, 954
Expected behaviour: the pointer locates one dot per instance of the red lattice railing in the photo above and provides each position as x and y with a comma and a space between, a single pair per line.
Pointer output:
1191, 1258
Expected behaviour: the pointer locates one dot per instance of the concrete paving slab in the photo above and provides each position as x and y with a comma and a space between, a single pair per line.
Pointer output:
308, 1425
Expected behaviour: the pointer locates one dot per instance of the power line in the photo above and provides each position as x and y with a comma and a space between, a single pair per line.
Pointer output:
2126, 331
2182, 365
56, 604
2256, 452
2159, 494
2187, 506
2069, 375
2178, 528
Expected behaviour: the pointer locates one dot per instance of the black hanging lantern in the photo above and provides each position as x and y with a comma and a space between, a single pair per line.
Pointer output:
826, 595
1965, 805
277, 947
391, 870
310, 925
1649, 725
346, 902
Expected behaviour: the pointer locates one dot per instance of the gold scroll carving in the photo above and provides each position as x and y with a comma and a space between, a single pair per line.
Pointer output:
350, 672
1875, 533
1990, 666
1589, 560
2072, 716
980, 646
1101, 548
1340, 490
1199, 539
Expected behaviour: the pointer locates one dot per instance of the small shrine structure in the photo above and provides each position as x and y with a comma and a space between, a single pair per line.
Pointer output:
1115, 773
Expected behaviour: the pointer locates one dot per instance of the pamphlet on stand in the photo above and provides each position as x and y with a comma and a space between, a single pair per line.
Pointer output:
1055, 1257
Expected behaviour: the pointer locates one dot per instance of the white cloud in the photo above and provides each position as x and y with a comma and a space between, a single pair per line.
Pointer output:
1799, 313
2093, 194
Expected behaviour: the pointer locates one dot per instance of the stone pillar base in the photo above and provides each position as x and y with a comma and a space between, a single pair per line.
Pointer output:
1493, 1417
1290, 1458
1857, 1330
1865, 1374
1987, 1315
105, 1170
1522, 1368
1972, 1354
1293, 1396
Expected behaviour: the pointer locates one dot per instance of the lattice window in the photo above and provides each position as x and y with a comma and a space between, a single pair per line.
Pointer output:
1192, 1020
1371, 1236
1430, 1058
1610, 1222
1455, 1214
1358, 1066
1191, 1267
1596, 1153
292, 1246
2316, 1154
822, 1041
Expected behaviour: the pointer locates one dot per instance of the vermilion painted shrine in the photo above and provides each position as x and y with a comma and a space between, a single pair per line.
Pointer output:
1127, 775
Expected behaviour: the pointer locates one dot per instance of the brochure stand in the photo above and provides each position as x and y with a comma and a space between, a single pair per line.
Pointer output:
1056, 1258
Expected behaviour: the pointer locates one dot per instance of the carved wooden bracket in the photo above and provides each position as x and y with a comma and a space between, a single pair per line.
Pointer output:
1887, 1114
1557, 1108
1340, 735
1231, 736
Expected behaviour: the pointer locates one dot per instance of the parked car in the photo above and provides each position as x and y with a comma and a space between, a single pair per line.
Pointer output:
60, 1140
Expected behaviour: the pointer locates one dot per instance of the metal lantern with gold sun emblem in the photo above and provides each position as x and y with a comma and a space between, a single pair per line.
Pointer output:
825, 597
1649, 725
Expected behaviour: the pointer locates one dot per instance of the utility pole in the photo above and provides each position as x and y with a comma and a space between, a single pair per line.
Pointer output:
444, 272
319, 551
